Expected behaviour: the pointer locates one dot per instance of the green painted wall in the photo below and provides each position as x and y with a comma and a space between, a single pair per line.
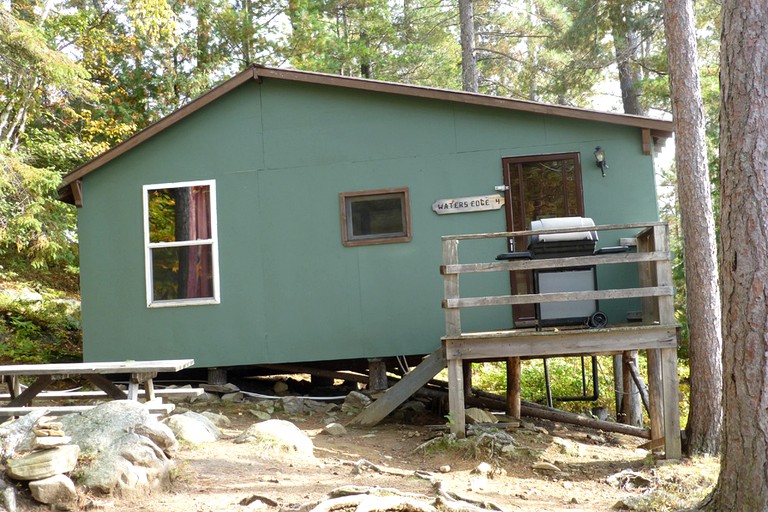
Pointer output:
281, 152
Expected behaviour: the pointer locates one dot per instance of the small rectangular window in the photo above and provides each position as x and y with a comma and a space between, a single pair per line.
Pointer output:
375, 217
180, 244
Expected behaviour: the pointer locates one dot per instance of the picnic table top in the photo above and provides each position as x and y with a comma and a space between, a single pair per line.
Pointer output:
163, 365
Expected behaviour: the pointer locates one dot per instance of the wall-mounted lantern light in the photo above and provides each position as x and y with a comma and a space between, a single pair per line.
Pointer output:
600, 159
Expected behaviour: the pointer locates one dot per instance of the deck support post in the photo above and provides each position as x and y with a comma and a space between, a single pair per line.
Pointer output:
632, 410
456, 398
466, 368
618, 386
513, 387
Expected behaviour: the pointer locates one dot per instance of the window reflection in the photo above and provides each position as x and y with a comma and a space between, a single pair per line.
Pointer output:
179, 214
377, 216
182, 272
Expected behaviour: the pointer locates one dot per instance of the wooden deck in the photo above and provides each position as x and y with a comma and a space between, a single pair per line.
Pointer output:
656, 334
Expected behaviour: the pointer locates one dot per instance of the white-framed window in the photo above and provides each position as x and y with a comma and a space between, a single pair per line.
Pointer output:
180, 243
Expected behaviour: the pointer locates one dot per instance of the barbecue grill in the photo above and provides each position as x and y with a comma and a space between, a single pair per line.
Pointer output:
571, 279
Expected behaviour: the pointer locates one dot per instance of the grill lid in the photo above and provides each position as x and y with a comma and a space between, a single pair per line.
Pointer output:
563, 223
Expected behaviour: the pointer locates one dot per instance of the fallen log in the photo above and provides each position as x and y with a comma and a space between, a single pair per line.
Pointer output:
533, 410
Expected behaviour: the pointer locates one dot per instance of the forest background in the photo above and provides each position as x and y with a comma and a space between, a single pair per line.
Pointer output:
79, 76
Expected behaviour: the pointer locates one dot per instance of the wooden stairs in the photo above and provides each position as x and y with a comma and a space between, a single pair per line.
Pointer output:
414, 380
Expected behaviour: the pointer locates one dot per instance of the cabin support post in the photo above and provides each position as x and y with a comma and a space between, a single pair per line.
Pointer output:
377, 374
513, 387
217, 376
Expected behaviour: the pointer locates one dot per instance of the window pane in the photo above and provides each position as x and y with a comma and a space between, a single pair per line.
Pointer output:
180, 214
544, 190
182, 272
377, 215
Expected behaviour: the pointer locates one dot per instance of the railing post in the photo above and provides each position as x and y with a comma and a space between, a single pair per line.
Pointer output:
662, 363
451, 288
453, 329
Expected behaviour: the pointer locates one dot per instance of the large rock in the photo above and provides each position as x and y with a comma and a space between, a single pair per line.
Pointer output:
193, 428
126, 446
57, 490
132, 464
45, 463
95, 429
475, 415
354, 403
278, 438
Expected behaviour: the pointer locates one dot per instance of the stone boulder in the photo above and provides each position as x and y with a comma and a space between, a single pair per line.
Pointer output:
474, 415
58, 490
126, 447
278, 439
193, 428
43, 464
354, 403
132, 464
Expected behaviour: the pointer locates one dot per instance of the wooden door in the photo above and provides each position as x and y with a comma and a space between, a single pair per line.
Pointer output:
538, 187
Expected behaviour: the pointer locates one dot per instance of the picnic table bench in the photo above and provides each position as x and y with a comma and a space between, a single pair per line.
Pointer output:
141, 373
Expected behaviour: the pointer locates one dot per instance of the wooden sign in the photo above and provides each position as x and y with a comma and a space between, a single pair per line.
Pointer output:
468, 204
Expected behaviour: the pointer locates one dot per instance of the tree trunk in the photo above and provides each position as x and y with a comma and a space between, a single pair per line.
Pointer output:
626, 45
698, 225
468, 65
743, 481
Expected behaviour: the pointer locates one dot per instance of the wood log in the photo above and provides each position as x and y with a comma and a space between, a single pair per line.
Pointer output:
639, 383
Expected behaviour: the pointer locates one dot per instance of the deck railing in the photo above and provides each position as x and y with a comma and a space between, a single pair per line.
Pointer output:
654, 266
656, 333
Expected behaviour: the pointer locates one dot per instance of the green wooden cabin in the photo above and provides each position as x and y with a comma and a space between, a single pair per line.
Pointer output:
288, 217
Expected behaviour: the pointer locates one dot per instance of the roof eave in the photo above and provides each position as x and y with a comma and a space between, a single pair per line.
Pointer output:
659, 129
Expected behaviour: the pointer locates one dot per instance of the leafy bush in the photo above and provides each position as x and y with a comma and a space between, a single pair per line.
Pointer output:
35, 332
34, 225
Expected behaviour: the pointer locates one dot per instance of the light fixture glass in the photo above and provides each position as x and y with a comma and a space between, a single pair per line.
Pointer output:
600, 159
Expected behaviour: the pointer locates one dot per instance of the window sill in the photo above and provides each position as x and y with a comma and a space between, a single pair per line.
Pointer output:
182, 302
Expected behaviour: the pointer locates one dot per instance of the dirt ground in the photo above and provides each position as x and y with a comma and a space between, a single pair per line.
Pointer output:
225, 476
555, 467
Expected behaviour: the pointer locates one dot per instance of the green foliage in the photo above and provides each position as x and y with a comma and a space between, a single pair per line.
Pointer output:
565, 379
44, 332
34, 226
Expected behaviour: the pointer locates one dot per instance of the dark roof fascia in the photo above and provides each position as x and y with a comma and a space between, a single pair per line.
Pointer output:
659, 129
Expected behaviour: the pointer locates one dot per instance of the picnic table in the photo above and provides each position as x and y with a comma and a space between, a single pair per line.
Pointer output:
141, 373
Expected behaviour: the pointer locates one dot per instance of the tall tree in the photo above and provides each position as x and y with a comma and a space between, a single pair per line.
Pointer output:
467, 37
698, 225
743, 480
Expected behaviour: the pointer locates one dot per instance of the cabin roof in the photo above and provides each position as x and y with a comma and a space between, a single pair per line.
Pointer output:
69, 189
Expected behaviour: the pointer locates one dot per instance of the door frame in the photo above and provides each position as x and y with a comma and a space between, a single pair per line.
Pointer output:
525, 315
